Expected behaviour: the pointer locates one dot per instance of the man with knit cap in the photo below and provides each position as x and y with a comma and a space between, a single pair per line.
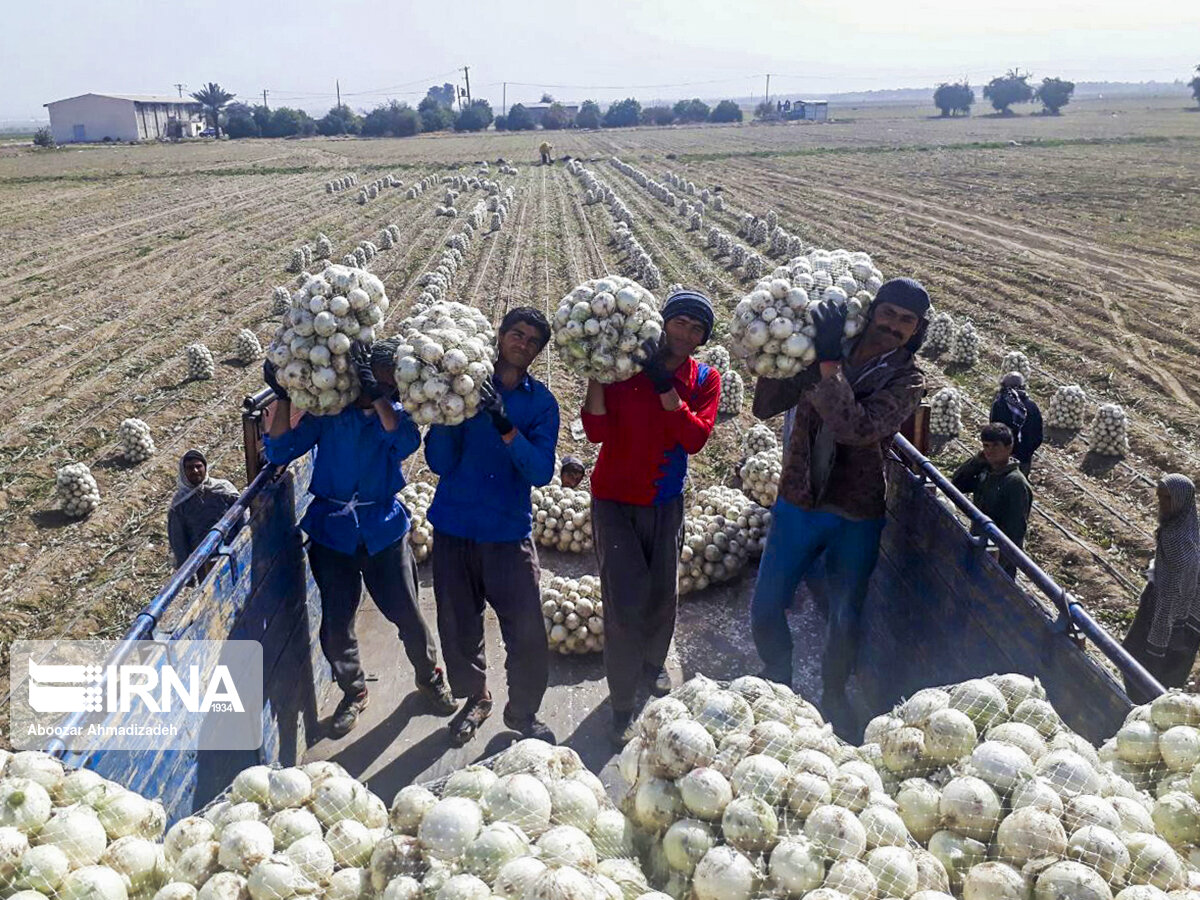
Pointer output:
845, 408
647, 426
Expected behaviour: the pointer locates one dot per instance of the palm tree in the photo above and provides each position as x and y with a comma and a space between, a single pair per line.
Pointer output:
212, 97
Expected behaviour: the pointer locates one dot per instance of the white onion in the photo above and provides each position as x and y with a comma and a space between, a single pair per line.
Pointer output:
251, 784
918, 802
994, 881
224, 886
970, 807
42, 869
957, 854
409, 807
77, 831
93, 883
24, 804
1028, 834
520, 799
894, 869
796, 867
836, 832
244, 845
705, 792
351, 843
1070, 879
1101, 849
516, 877
852, 879
686, 842
566, 845
277, 878
452, 824
724, 874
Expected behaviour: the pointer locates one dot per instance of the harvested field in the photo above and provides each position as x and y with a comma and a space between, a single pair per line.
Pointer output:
1076, 243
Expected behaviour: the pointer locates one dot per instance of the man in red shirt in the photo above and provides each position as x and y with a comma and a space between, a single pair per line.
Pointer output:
647, 426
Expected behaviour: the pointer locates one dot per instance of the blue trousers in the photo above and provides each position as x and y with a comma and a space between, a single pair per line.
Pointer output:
796, 539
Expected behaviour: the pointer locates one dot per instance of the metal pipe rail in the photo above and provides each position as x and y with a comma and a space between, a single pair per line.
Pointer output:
143, 626
1077, 620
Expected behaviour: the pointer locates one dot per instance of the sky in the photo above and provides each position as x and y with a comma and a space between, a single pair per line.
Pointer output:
651, 49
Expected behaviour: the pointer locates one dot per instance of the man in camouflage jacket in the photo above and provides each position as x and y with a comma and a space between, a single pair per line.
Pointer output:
845, 408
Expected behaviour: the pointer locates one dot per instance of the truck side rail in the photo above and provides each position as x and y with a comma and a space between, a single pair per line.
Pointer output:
1078, 621
144, 625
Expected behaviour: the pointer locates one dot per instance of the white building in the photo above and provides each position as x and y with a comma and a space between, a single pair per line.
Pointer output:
123, 117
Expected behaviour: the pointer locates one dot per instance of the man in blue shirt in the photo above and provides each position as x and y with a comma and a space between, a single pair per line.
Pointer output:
483, 548
358, 529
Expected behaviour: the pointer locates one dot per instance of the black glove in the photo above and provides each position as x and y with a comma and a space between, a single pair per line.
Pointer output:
493, 404
829, 317
360, 358
271, 377
649, 358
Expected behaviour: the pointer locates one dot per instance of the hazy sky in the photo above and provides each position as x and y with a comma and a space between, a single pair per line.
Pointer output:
648, 48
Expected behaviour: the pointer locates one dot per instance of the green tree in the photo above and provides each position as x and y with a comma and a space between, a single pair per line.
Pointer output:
240, 121
520, 118
262, 118
658, 115
694, 110
624, 114
392, 119
726, 111
476, 117
43, 137
213, 98
954, 99
340, 120
286, 122
588, 115
1054, 94
556, 118
1005, 90
546, 98
443, 95
434, 115
767, 111
501, 123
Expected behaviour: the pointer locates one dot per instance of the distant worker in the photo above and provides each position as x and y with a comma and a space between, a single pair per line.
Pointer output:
646, 427
1016, 409
572, 471
358, 528
483, 548
546, 149
845, 407
1165, 633
998, 486
199, 502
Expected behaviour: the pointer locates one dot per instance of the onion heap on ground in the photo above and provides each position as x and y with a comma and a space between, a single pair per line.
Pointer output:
134, 441
562, 517
760, 476
416, 497
281, 300
1110, 431
323, 248
760, 437
964, 348
200, 363
246, 347
600, 325
989, 779
752, 518
1016, 361
445, 356
1066, 408
573, 613
714, 550
311, 347
77, 490
772, 327
945, 413
939, 337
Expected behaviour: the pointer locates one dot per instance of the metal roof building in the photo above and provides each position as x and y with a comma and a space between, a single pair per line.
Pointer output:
122, 117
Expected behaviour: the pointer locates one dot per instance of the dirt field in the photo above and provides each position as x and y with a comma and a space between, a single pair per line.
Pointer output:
1074, 239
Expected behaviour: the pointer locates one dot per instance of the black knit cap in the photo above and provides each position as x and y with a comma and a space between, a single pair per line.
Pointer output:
383, 353
907, 293
692, 304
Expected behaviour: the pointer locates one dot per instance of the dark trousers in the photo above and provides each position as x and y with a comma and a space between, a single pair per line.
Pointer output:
391, 578
466, 574
797, 537
637, 548
1173, 668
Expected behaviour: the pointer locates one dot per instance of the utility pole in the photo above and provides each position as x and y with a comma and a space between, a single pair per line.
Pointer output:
467, 76
179, 87
265, 100
504, 100
767, 95
339, 91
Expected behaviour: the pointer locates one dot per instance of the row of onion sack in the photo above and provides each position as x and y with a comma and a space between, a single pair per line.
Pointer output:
534, 823
976, 790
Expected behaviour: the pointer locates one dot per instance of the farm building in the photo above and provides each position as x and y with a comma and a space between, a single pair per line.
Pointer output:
814, 110
539, 110
123, 117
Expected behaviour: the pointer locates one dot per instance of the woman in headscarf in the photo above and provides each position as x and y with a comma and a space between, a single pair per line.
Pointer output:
1016, 409
1165, 633
199, 502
